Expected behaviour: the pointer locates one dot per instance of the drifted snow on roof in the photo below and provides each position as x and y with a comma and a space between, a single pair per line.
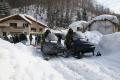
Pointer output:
104, 17
21, 15
76, 24
25, 17
30, 17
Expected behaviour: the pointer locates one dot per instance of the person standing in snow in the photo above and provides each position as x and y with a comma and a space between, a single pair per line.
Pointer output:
44, 36
30, 38
69, 39
5, 38
16, 38
23, 38
48, 37
37, 39
59, 39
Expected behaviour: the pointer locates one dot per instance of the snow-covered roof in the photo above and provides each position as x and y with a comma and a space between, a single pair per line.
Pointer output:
76, 24
20, 15
104, 17
24, 17
27, 18
30, 17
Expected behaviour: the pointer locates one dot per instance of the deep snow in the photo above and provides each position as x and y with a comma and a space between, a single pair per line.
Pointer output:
20, 62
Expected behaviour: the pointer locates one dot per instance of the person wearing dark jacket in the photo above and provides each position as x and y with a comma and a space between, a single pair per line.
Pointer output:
6, 38
37, 39
44, 36
69, 39
30, 38
16, 38
23, 38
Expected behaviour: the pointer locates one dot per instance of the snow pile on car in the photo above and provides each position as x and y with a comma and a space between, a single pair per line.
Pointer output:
18, 63
109, 44
80, 24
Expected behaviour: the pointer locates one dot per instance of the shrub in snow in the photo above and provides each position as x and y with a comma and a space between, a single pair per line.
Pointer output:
109, 44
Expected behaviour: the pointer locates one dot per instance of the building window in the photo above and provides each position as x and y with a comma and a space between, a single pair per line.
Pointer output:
40, 29
33, 29
13, 25
25, 25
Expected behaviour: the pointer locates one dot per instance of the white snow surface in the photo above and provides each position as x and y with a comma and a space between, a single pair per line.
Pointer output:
109, 44
21, 62
112, 18
93, 36
18, 63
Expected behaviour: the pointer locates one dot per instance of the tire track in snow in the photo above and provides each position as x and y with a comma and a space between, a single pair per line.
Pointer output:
65, 71
83, 69
111, 68
80, 69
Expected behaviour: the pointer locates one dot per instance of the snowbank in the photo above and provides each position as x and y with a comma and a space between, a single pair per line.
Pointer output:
93, 36
18, 63
109, 44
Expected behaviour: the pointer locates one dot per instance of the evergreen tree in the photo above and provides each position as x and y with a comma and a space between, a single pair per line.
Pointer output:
4, 9
78, 16
84, 15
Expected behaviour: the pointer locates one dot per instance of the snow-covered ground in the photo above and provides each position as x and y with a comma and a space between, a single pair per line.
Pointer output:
21, 62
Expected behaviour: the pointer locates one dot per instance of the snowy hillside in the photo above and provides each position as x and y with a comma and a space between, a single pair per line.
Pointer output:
20, 62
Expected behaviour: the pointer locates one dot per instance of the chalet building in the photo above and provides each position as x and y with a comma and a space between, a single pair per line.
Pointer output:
20, 23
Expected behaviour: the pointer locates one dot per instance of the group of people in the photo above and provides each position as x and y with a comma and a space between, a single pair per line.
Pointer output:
41, 39
37, 39
15, 38
70, 37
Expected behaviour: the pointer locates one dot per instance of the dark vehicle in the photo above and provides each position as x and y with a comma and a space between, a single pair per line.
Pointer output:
81, 47
52, 48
